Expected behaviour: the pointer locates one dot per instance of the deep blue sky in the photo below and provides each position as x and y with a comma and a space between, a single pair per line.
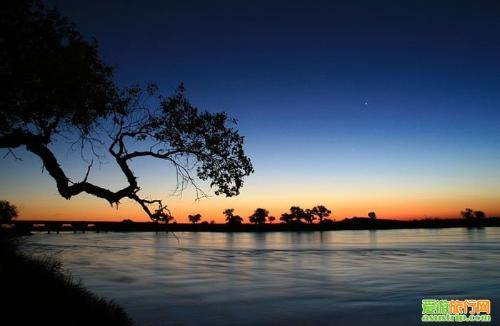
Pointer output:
388, 105
391, 69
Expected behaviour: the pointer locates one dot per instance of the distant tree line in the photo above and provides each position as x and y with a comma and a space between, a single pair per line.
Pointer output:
320, 214
296, 214
299, 215
261, 216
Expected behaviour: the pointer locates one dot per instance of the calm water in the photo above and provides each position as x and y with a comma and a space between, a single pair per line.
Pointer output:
378, 277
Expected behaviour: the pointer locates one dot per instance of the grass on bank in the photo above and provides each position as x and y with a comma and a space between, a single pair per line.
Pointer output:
37, 291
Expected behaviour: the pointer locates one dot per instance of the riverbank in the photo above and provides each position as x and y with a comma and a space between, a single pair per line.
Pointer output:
38, 291
355, 223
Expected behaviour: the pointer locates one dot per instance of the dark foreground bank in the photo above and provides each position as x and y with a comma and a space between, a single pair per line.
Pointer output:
38, 292
356, 223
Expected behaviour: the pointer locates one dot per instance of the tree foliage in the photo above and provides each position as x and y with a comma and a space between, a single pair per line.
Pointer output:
51, 77
296, 215
470, 214
372, 215
259, 216
195, 218
8, 212
56, 87
321, 212
308, 216
231, 218
479, 215
286, 218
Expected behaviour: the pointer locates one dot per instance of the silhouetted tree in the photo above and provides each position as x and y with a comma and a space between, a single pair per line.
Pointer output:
271, 219
321, 212
194, 218
127, 221
8, 212
296, 214
468, 214
259, 216
231, 218
55, 86
372, 215
479, 215
309, 216
286, 217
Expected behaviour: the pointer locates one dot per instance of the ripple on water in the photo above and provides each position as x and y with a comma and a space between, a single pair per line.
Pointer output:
282, 277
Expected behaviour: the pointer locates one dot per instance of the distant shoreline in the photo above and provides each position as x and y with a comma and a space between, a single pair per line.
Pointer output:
347, 224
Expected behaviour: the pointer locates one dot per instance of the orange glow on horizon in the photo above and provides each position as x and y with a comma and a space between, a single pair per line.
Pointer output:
389, 198
88, 208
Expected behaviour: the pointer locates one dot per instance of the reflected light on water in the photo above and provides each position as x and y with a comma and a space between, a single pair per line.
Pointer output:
281, 277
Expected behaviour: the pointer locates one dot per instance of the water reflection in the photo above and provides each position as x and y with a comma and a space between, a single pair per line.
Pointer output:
373, 238
281, 278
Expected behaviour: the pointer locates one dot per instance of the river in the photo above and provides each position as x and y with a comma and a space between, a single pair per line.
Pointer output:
334, 277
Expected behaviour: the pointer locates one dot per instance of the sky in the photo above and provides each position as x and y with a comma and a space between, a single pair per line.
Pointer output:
386, 106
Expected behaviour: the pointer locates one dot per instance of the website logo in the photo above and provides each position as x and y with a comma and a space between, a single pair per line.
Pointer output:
469, 310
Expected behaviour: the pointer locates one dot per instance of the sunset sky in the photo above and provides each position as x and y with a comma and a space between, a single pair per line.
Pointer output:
358, 105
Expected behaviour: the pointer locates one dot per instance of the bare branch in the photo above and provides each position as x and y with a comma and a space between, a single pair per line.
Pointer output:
88, 171
11, 152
